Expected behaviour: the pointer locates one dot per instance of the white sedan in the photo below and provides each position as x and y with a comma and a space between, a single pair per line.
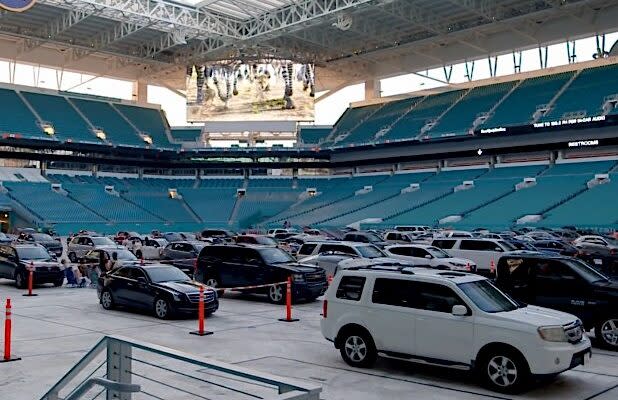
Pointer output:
429, 255
148, 248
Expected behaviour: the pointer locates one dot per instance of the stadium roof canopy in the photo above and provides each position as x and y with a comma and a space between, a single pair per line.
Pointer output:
349, 40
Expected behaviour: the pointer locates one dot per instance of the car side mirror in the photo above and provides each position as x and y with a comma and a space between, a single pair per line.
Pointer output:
459, 310
428, 256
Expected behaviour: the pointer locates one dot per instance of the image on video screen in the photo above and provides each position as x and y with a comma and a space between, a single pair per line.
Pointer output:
261, 91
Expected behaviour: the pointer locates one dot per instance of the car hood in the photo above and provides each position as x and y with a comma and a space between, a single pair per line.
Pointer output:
298, 267
180, 287
537, 316
40, 264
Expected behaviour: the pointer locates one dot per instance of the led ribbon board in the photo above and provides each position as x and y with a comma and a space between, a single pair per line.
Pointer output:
16, 5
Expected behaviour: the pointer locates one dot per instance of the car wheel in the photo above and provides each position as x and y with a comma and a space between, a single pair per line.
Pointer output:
162, 308
59, 282
504, 370
606, 333
276, 294
72, 257
20, 280
107, 300
214, 283
358, 349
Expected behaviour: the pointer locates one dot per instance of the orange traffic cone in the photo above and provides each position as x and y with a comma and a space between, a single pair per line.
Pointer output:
492, 267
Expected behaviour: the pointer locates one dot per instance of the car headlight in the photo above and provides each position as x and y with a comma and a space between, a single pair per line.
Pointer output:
456, 264
298, 277
177, 296
553, 334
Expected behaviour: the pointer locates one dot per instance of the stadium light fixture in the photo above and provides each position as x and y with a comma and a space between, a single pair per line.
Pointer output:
147, 139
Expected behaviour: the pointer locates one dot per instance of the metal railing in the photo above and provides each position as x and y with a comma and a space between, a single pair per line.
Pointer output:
128, 369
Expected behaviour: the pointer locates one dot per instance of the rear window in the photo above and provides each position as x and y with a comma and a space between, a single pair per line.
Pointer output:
351, 288
307, 248
444, 243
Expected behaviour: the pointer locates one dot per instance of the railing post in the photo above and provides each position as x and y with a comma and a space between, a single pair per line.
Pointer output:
118, 367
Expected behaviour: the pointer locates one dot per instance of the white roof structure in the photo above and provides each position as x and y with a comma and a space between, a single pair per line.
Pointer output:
349, 40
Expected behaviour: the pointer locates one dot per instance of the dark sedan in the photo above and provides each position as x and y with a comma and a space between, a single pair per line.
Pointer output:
182, 254
52, 245
16, 259
162, 289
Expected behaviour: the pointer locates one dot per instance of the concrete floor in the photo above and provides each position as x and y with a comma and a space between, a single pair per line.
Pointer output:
54, 330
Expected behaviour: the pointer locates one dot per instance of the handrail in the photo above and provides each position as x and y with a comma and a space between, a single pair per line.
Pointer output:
120, 369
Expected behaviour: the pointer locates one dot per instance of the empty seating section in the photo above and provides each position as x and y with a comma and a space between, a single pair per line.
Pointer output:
586, 94
221, 182
426, 110
186, 134
212, 205
381, 120
17, 117
593, 208
260, 203
67, 122
149, 121
270, 182
519, 107
352, 117
159, 203
112, 207
310, 135
103, 115
49, 205
459, 119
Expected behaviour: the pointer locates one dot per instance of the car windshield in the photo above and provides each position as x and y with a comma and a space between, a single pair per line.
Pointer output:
42, 237
274, 256
265, 240
102, 241
487, 297
32, 253
125, 255
438, 253
372, 237
370, 251
585, 271
166, 274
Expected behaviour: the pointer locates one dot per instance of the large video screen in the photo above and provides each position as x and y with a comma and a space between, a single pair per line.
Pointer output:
261, 91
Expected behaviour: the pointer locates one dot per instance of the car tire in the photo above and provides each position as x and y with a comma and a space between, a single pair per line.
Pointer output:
59, 282
72, 257
358, 349
162, 308
214, 283
21, 281
276, 294
107, 300
606, 333
504, 370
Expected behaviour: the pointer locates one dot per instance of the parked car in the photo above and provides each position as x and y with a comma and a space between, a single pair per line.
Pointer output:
217, 235
413, 228
243, 265
567, 284
556, 247
182, 255
162, 289
365, 237
123, 256
481, 251
81, 244
363, 250
329, 262
121, 236
431, 256
52, 245
5, 238
457, 234
273, 232
256, 239
147, 248
15, 259
459, 320
597, 245
399, 237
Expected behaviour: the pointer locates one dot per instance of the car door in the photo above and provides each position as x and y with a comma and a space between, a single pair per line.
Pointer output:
440, 335
253, 269
5, 267
392, 318
231, 266
138, 293
118, 284
514, 275
557, 286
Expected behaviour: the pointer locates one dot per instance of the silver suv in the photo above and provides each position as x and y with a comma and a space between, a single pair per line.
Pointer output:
80, 245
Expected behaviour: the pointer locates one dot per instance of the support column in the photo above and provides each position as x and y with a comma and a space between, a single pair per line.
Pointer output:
140, 92
43, 167
140, 173
373, 89
95, 170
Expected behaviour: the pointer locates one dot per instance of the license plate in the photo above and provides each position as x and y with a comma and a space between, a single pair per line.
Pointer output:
598, 261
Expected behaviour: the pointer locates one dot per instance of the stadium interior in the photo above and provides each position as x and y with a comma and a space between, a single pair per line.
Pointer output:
528, 144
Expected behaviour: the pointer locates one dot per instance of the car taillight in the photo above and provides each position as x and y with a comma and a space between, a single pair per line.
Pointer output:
324, 308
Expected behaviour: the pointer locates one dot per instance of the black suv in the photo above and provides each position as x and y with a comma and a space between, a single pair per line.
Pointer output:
230, 266
16, 258
566, 284
52, 245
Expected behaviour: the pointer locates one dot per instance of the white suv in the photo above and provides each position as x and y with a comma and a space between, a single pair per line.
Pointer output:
448, 319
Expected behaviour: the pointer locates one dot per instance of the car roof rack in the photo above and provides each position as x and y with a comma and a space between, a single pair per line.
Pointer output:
386, 267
